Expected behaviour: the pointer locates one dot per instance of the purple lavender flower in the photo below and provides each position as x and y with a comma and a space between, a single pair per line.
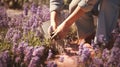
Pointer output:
83, 58
1, 64
86, 51
17, 60
95, 46
46, 13
105, 54
85, 55
28, 55
51, 64
5, 56
34, 26
37, 33
98, 62
39, 11
54, 65
117, 41
34, 62
6, 59
9, 34
25, 30
115, 32
49, 54
21, 47
80, 52
14, 49
38, 51
17, 23
27, 58
30, 22
114, 57
2, 11
16, 36
80, 49
61, 59
101, 38
25, 12
28, 49
3, 17
32, 19
118, 64
34, 8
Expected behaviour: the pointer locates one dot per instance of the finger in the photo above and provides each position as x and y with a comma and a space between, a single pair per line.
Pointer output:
54, 36
50, 30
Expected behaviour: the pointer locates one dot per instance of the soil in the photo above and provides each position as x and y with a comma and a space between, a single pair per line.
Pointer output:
69, 57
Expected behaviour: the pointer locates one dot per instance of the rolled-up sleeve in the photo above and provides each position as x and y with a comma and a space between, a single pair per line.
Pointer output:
56, 5
87, 5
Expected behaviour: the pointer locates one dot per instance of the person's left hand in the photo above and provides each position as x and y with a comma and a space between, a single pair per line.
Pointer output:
60, 32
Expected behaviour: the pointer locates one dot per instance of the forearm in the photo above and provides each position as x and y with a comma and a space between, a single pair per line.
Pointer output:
75, 15
54, 18
83, 7
55, 8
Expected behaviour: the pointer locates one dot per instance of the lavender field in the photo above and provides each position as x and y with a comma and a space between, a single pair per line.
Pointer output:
24, 42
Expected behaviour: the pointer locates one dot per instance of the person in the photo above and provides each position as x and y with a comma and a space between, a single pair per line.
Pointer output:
107, 20
80, 14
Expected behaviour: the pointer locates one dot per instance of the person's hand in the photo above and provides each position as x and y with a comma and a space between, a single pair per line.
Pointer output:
60, 32
51, 29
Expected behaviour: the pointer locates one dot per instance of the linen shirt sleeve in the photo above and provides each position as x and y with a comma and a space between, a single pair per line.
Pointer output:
56, 5
87, 5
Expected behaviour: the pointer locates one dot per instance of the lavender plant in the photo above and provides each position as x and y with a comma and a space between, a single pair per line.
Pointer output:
22, 42
23, 33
